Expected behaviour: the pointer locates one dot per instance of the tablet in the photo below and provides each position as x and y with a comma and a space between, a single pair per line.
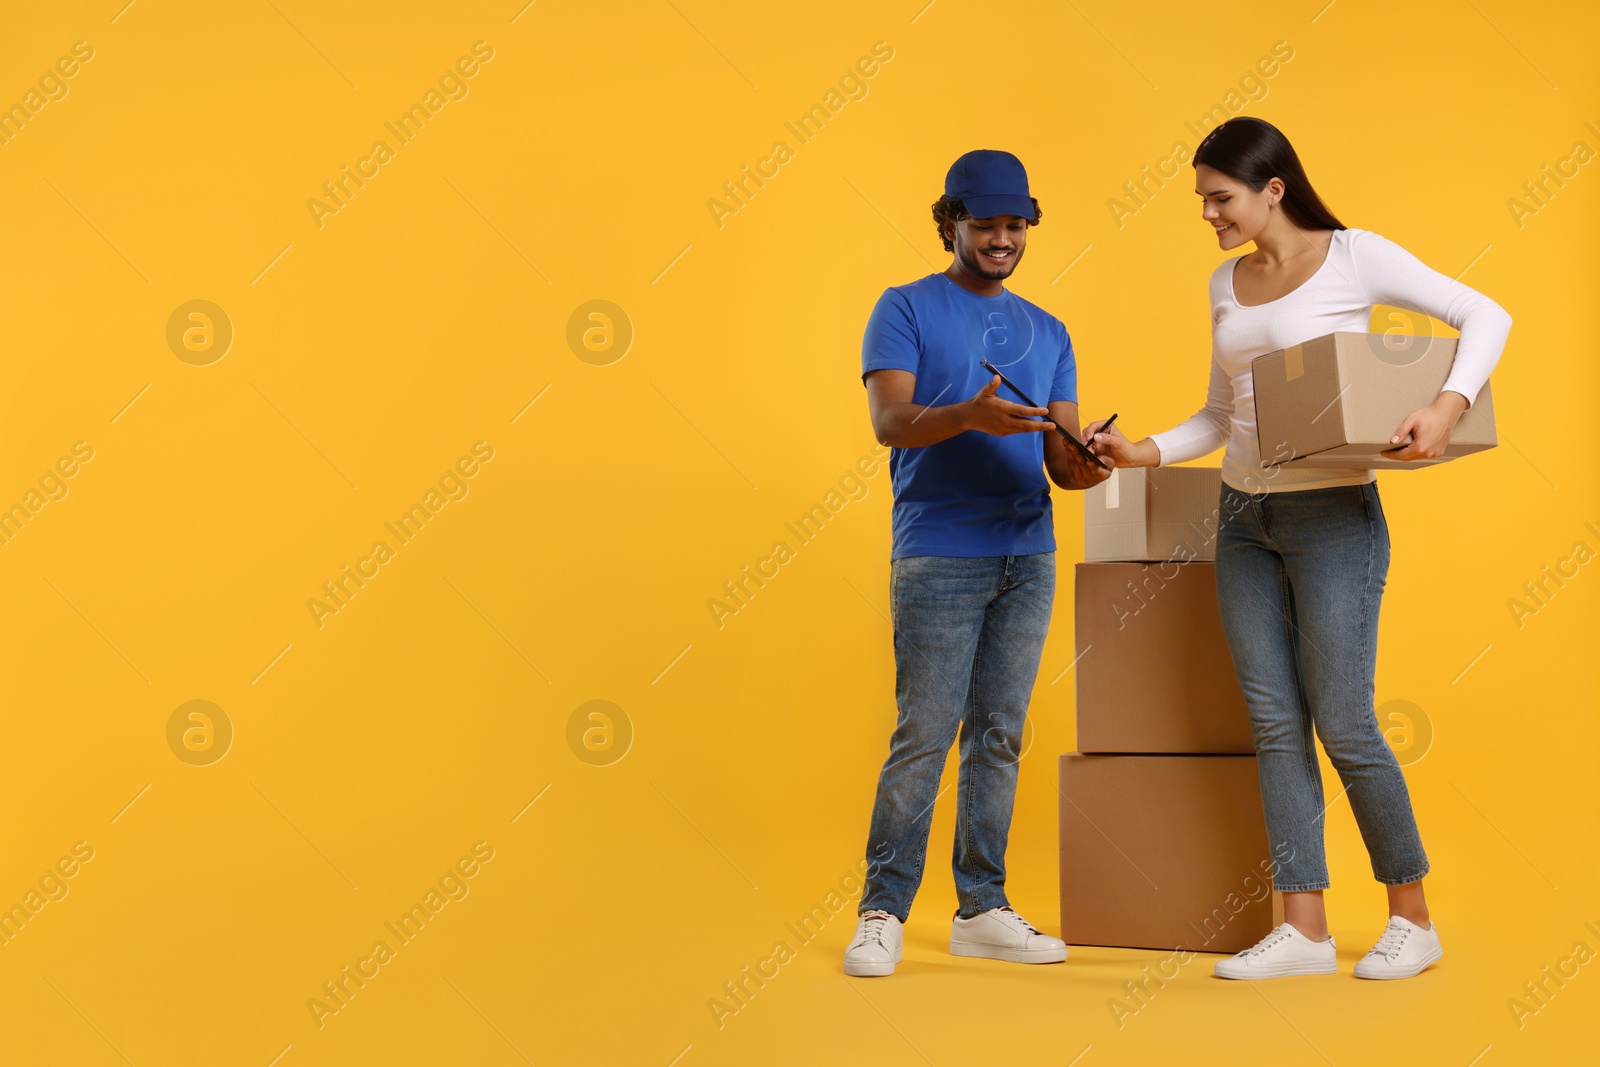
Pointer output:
1062, 430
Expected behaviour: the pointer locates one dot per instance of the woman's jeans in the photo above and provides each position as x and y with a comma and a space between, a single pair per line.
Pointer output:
1299, 578
968, 634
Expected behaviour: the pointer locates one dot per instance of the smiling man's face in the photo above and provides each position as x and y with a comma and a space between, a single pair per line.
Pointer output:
990, 248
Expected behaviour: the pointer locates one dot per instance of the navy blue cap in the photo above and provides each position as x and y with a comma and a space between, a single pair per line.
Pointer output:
990, 183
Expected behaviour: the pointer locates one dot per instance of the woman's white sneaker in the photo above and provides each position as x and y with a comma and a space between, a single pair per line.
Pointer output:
1283, 952
1002, 934
1404, 950
877, 945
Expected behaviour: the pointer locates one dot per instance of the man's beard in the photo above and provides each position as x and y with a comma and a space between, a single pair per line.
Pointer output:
973, 261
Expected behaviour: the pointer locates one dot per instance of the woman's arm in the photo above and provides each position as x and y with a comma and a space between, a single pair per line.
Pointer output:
1388, 274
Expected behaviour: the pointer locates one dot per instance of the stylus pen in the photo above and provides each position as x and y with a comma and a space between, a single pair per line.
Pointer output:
1062, 430
1107, 426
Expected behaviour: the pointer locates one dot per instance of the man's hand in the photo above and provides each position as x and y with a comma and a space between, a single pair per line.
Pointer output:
1069, 468
900, 423
1081, 472
1429, 427
987, 413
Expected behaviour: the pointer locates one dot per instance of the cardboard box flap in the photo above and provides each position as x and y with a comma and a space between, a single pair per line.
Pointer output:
1308, 413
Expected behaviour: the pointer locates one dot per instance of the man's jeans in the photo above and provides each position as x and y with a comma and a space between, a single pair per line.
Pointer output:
1299, 578
968, 634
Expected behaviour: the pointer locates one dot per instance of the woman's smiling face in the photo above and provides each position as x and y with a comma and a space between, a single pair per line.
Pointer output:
1236, 212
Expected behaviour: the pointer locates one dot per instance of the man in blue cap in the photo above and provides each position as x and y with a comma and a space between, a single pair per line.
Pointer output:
972, 571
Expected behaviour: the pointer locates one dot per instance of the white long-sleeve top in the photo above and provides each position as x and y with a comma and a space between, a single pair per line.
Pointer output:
1361, 269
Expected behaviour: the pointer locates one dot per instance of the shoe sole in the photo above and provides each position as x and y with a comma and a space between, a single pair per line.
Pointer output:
869, 970
1281, 971
1424, 965
976, 950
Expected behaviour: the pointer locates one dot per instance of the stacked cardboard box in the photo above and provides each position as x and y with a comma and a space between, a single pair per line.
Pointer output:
1163, 842
1152, 513
1164, 852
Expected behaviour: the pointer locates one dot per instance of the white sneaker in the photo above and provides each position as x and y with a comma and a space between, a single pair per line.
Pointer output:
1283, 952
1404, 950
1002, 934
877, 945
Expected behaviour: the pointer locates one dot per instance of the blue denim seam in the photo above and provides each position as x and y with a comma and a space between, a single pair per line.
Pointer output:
893, 586
1368, 654
976, 748
1307, 722
921, 857
1369, 665
1407, 881
1367, 499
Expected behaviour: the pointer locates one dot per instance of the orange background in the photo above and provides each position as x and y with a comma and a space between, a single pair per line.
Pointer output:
637, 869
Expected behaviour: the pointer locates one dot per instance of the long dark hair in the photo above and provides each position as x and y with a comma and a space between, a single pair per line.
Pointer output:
1254, 151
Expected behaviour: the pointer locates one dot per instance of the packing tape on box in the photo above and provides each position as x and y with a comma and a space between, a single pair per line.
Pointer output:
1113, 495
1294, 363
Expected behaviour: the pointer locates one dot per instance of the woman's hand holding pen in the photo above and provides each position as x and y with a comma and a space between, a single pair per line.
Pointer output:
1105, 439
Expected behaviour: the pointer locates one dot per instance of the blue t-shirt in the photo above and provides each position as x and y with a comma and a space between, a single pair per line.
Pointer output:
974, 494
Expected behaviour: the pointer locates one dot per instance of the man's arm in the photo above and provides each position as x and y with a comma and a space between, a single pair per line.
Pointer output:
1067, 466
899, 423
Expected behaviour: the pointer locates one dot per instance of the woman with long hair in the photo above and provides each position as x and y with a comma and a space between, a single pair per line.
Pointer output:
1302, 555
